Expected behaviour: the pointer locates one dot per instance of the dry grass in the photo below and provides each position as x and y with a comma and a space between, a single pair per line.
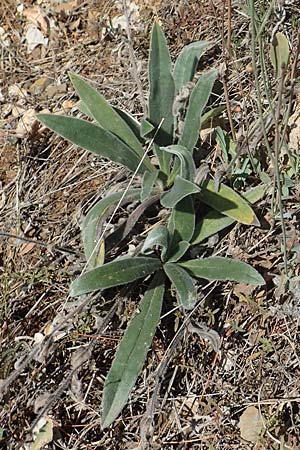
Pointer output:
188, 396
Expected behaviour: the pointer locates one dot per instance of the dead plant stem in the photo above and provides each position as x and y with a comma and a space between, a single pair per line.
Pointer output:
133, 59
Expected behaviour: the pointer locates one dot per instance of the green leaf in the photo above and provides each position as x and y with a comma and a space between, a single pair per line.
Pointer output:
181, 223
93, 138
161, 95
228, 202
184, 284
131, 122
225, 269
82, 107
178, 251
280, 53
187, 167
157, 237
197, 102
181, 188
214, 222
106, 116
207, 117
148, 183
92, 225
186, 63
132, 352
115, 273
146, 129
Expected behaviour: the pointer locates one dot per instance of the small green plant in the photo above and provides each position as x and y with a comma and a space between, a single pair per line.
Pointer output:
173, 184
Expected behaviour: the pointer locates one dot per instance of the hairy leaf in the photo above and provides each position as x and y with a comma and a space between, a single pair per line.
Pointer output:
197, 102
132, 352
133, 124
187, 167
161, 95
115, 273
106, 116
218, 268
181, 188
184, 284
181, 224
149, 180
228, 202
177, 251
92, 224
157, 237
214, 222
93, 138
280, 53
186, 63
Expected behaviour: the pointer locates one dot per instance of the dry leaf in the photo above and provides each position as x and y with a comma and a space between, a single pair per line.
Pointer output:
36, 17
26, 122
41, 401
43, 434
34, 37
26, 248
79, 357
39, 85
294, 136
251, 424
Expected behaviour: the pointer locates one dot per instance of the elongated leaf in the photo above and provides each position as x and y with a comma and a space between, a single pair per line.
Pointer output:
187, 167
181, 188
149, 180
184, 284
280, 52
198, 100
133, 124
178, 251
161, 96
214, 222
91, 227
186, 63
82, 107
228, 202
115, 273
181, 224
207, 117
218, 268
106, 116
158, 237
132, 352
93, 138
146, 129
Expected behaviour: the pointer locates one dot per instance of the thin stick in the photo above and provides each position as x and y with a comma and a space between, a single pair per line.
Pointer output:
133, 60
40, 243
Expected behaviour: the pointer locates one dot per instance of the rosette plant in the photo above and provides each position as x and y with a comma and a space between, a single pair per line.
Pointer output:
161, 157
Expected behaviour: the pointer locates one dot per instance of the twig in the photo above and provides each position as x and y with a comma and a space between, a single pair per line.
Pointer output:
133, 60
40, 243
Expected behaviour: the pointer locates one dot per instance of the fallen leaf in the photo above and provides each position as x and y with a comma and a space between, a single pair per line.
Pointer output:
294, 136
42, 434
37, 18
68, 104
34, 37
251, 424
16, 91
25, 123
39, 85
26, 248
58, 89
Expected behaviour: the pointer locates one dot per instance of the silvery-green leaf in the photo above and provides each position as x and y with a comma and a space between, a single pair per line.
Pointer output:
184, 284
132, 352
